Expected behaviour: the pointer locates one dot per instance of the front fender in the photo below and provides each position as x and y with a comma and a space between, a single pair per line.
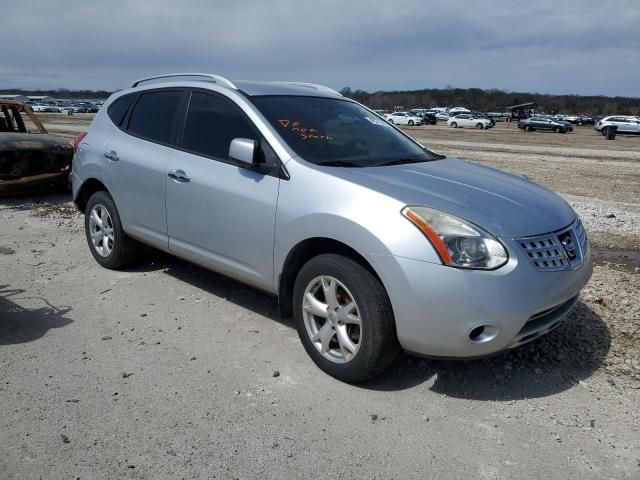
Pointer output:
317, 204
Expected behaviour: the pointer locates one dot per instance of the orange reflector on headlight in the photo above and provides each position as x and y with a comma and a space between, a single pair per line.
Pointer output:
430, 233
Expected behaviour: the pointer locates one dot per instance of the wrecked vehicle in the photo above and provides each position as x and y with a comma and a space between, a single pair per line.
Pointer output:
30, 159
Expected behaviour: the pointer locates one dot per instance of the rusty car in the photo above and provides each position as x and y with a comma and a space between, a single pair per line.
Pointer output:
30, 158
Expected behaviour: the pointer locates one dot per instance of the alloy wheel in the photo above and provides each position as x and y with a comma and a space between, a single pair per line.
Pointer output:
101, 230
332, 319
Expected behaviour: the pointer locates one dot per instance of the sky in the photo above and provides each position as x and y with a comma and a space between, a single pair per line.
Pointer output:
579, 47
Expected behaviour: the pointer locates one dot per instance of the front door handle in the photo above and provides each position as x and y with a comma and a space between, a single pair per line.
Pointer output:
179, 176
111, 155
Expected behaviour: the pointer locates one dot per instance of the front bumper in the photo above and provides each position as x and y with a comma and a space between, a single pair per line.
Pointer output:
437, 307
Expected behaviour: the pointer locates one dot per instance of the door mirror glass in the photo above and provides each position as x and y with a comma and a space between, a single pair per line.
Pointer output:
243, 150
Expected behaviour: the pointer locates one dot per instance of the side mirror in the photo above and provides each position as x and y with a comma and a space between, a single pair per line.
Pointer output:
244, 150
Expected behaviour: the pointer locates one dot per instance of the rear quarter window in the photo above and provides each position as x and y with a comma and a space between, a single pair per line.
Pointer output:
119, 108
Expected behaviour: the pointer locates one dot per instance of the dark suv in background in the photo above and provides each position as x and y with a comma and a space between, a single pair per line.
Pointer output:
428, 118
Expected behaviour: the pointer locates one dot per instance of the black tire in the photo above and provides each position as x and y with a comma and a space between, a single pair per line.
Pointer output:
454, 125
605, 131
479, 126
557, 130
124, 247
378, 341
527, 128
410, 123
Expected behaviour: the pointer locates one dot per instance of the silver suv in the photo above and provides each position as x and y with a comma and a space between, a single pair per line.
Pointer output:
370, 241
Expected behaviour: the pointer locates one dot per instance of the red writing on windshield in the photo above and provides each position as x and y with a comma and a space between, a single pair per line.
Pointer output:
304, 133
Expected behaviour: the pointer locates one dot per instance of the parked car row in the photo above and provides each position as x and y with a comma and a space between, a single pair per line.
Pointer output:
60, 107
430, 117
579, 119
463, 118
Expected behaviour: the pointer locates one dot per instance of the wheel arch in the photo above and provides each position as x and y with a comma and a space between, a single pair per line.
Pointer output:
302, 252
88, 188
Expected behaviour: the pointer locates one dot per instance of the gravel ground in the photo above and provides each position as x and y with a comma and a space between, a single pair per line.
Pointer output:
166, 370
169, 371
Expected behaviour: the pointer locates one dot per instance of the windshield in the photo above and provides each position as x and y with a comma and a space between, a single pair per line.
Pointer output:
328, 131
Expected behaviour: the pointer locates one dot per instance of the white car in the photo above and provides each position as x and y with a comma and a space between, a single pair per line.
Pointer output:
442, 116
625, 124
456, 110
403, 118
466, 120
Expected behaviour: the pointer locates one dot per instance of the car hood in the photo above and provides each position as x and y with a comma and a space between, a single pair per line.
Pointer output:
32, 141
505, 205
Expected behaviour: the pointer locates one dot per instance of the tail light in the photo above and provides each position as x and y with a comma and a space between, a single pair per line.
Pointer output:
77, 141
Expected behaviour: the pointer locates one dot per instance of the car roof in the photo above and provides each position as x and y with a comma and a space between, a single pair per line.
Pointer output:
248, 87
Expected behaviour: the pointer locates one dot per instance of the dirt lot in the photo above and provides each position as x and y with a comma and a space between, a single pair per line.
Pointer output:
169, 371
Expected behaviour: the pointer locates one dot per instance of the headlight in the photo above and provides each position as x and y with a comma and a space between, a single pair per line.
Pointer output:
458, 242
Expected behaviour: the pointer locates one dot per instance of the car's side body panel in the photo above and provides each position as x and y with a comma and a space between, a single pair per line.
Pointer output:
223, 217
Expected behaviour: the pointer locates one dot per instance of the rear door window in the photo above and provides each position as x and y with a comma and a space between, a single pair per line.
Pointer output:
153, 115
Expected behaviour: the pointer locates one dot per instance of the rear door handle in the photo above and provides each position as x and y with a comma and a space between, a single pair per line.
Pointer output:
179, 176
111, 155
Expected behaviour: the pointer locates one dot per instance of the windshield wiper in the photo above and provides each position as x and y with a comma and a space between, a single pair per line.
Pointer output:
339, 163
401, 161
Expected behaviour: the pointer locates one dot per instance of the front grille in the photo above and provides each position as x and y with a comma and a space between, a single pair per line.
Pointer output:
545, 252
559, 250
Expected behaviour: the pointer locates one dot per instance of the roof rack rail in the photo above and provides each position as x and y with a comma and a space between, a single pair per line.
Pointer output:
208, 76
322, 88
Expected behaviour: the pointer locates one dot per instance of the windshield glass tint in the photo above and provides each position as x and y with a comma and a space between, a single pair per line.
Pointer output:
322, 130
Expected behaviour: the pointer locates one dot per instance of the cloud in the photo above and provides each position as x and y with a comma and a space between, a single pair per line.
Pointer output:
582, 47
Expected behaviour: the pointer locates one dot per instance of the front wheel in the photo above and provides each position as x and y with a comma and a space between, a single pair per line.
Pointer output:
479, 126
410, 123
344, 318
454, 125
109, 245
527, 128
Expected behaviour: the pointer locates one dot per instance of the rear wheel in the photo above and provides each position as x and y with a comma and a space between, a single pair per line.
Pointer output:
109, 245
344, 318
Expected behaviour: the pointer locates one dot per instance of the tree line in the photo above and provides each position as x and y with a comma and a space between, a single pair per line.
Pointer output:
494, 100
473, 98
